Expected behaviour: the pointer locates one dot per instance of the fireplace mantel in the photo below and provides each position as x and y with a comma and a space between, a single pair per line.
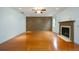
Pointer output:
68, 23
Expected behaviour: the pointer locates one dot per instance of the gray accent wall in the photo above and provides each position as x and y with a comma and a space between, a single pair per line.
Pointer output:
39, 24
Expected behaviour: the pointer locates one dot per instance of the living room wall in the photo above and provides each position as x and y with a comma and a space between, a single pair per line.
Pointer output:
71, 13
12, 23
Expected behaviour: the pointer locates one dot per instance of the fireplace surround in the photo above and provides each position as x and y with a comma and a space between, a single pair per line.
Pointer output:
66, 30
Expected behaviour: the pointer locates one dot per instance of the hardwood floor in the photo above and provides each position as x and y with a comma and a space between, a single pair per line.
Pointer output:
38, 41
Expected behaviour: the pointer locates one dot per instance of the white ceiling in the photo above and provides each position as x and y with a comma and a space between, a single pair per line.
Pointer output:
51, 11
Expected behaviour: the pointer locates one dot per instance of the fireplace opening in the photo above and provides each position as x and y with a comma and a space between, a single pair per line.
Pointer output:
65, 31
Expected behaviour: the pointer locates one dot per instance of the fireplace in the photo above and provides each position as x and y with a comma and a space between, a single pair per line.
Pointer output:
66, 31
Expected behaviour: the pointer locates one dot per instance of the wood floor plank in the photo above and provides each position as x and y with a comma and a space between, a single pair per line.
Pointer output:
38, 41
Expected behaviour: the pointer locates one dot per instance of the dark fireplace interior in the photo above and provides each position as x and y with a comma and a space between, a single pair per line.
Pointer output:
65, 31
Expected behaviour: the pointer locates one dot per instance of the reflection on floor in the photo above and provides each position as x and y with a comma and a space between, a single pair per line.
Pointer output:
38, 41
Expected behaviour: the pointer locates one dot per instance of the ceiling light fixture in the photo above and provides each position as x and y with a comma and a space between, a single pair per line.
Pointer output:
39, 10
